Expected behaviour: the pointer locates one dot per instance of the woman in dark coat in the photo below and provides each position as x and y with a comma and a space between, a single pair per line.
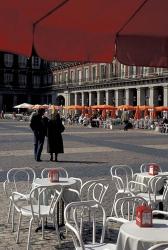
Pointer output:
55, 141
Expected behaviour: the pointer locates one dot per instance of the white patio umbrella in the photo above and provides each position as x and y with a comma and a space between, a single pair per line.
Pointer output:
23, 106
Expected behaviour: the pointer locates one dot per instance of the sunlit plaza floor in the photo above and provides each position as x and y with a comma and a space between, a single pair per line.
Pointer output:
89, 153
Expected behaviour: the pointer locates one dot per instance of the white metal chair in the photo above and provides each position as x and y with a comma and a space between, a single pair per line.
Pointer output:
62, 172
92, 190
121, 175
18, 180
153, 196
145, 167
74, 225
36, 210
161, 246
125, 209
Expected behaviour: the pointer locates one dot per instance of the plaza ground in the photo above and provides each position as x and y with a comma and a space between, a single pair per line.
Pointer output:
89, 153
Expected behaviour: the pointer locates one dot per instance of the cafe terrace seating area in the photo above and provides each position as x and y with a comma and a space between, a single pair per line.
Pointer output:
53, 210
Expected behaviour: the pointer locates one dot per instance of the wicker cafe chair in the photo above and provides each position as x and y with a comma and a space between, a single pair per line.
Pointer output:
36, 210
18, 180
98, 217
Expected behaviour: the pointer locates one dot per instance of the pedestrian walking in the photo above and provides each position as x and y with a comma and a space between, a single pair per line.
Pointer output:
39, 127
55, 141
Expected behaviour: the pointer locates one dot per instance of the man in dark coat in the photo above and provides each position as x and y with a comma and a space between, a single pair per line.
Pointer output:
38, 126
55, 141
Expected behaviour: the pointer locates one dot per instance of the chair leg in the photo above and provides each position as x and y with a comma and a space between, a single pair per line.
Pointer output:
18, 231
112, 210
13, 214
42, 222
9, 211
57, 232
29, 235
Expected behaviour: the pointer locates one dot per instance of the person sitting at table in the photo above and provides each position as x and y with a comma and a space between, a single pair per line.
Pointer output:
55, 141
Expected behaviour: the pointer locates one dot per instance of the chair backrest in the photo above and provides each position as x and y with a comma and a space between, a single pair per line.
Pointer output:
157, 185
94, 190
37, 197
121, 174
161, 246
145, 167
97, 217
126, 207
62, 172
20, 180
73, 193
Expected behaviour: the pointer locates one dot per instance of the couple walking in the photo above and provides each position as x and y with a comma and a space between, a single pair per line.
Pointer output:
52, 128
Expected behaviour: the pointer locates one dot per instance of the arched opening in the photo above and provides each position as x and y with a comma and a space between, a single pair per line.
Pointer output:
60, 100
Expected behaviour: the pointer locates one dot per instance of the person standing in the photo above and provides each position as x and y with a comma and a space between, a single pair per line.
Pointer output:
55, 141
38, 127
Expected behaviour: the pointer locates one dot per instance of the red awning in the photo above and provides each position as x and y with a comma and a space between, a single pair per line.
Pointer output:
134, 31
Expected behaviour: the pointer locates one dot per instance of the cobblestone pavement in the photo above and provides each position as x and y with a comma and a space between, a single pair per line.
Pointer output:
89, 153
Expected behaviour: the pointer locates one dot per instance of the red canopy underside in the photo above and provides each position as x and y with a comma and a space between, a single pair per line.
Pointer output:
135, 31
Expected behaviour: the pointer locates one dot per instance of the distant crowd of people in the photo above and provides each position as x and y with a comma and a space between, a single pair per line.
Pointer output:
51, 128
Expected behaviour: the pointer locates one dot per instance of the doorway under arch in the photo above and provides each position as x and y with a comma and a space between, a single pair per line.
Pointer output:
60, 100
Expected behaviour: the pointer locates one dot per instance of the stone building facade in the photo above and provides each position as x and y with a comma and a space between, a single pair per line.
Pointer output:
24, 79
114, 84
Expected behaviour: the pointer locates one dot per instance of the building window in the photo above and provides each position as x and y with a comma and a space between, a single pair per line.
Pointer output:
86, 74
123, 71
79, 74
22, 61
55, 78
8, 77
145, 71
36, 81
66, 77
72, 76
60, 77
103, 71
22, 79
50, 79
36, 62
111, 73
45, 79
8, 60
94, 73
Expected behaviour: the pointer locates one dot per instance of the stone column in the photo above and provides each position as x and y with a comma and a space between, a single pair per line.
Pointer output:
127, 97
165, 95
82, 97
98, 97
151, 96
75, 98
116, 97
90, 98
107, 97
67, 98
140, 96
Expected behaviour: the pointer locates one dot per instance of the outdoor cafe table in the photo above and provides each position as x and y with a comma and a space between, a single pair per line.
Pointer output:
133, 237
63, 182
